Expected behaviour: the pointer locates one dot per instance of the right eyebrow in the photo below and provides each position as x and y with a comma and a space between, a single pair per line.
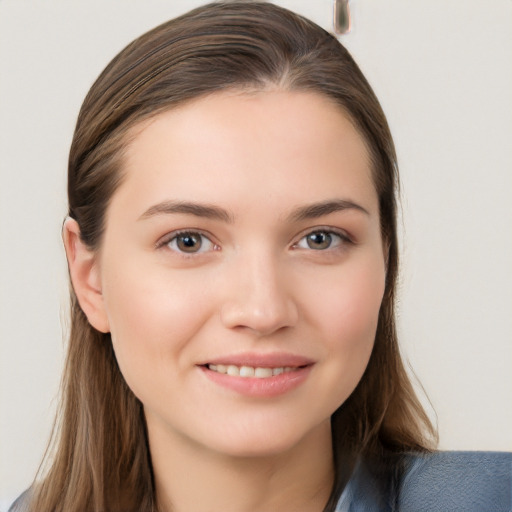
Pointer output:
188, 208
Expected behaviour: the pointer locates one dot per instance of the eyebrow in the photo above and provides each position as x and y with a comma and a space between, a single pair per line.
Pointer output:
188, 208
316, 210
311, 211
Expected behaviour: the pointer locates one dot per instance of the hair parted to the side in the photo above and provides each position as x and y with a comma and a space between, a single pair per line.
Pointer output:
101, 460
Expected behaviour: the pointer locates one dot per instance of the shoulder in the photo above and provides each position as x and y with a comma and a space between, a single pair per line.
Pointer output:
437, 482
21, 504
465, 481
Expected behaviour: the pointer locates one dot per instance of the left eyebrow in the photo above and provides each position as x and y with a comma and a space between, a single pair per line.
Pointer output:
316, 210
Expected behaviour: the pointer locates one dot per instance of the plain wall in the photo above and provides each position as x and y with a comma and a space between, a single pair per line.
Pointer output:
442, 70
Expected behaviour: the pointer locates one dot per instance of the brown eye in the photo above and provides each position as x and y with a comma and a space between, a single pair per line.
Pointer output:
319, 240
190, 242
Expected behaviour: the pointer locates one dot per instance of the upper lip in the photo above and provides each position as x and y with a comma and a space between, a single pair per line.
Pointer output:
255, 360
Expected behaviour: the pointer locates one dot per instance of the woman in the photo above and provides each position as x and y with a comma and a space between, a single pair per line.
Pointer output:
231, 242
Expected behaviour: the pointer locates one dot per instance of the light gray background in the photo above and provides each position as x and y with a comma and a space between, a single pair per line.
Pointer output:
442, 69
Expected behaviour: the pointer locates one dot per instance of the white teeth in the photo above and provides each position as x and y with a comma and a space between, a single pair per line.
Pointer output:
249, 371
233, 370
261, 373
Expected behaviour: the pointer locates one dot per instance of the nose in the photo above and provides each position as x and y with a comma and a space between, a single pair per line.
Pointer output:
258, 298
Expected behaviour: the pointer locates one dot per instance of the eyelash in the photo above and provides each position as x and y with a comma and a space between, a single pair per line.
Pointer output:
331, 233
174, 236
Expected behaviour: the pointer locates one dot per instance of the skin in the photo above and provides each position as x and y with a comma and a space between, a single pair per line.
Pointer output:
255, 286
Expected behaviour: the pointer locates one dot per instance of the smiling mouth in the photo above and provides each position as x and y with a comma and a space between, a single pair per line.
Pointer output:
271, 376
250, 371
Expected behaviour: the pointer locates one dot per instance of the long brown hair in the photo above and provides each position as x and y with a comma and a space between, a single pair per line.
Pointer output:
101, 460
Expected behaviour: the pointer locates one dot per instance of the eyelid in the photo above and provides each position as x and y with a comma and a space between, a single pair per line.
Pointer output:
345, 237
167, 238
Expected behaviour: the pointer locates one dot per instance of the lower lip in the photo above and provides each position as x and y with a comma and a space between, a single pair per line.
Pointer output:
266, 387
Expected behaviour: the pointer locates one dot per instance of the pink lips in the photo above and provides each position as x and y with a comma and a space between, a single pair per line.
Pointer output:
261, 387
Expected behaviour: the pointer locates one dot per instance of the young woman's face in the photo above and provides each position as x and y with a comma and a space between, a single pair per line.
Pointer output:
242, 269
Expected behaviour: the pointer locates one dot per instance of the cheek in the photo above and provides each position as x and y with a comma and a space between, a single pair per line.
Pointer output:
349, 314
347, 302
358, 313
152, 322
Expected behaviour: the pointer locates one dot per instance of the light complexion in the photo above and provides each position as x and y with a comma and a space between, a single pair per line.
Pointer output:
240, 275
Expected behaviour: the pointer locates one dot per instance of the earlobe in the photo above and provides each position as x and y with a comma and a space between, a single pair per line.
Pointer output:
85, 276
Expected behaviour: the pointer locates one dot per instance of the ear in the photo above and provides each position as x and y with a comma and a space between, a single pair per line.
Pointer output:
85, 276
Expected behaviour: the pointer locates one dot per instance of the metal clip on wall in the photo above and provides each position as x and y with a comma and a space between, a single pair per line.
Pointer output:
341, 16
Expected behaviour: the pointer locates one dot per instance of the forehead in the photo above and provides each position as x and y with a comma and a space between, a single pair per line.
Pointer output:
249, 145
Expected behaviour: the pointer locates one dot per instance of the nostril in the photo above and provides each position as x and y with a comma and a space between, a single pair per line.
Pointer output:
260, 319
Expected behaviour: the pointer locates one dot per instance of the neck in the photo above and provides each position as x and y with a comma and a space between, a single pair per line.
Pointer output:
191, 478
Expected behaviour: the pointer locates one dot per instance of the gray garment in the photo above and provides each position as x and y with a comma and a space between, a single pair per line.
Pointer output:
440, 482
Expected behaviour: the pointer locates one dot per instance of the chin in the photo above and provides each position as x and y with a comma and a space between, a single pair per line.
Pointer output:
256, 450
266, 442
